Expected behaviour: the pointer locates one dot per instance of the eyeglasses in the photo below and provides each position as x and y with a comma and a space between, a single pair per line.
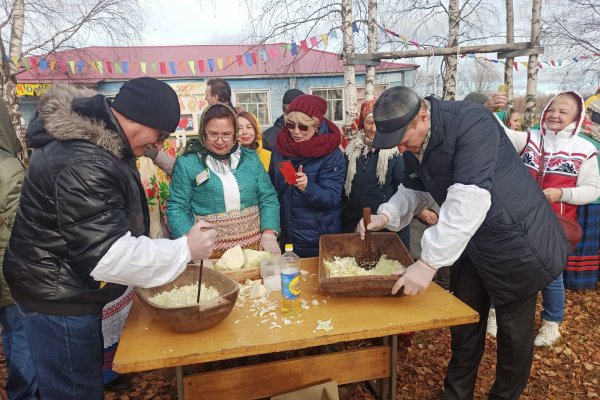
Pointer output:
292, 126
213, 137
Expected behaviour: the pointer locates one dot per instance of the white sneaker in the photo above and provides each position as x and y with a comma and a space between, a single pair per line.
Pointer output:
492, 327
548, 335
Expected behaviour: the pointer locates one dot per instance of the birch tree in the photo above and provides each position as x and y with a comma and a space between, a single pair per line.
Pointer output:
41, 27
532, 67
450, 62
508, 66
347, 52
372, 48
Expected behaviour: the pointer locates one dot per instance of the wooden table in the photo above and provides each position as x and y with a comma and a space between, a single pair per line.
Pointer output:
146, 345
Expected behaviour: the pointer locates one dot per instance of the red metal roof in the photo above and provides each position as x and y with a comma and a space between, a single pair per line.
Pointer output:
99, 63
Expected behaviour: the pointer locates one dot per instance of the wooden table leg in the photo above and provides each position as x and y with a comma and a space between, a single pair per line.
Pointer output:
393, 389
179, 375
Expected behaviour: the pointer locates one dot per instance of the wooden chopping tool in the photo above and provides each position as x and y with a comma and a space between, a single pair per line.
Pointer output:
368, 257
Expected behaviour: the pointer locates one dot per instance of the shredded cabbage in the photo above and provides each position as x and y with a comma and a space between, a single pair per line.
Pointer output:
347, 266
184, 296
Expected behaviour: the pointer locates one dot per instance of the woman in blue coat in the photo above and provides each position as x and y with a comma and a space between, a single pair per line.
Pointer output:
312, 205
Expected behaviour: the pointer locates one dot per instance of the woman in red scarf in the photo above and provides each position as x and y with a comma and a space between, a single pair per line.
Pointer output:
312, 205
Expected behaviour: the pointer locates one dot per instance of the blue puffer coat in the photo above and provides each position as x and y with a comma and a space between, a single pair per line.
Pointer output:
307, 215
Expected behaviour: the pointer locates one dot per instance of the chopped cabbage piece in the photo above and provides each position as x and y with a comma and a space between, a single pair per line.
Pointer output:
184, 296
347, 266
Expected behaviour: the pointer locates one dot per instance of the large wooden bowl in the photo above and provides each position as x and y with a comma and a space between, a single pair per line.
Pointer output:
195, 317
347, 245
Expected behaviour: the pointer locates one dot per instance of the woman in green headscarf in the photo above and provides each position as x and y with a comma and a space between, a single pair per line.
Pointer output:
221, 182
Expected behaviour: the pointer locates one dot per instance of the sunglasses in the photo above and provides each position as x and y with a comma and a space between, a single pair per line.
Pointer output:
292, 126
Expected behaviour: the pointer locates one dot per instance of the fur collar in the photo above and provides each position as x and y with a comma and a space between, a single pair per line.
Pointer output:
63, 123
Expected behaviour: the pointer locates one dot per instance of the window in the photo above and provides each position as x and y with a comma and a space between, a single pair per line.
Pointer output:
256, 103
335, 102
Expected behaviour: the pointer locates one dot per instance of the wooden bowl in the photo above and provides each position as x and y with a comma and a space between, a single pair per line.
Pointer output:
347, 245
195, 317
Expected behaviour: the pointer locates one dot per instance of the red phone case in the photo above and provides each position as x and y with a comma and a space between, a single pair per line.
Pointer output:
287, 170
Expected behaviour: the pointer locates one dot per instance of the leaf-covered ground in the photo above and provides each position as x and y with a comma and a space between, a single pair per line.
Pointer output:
569, 370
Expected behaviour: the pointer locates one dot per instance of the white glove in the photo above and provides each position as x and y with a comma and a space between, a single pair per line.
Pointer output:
201, 240
268, 242
378, 222
415, 279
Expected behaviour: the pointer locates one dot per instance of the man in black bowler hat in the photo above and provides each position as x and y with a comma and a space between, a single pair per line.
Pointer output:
495, 226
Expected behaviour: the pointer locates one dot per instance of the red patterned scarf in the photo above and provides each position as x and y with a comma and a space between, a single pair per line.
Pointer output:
319, 145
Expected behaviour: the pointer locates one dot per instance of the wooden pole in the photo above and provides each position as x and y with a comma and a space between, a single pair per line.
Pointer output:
508, 66
532, 67
372, 47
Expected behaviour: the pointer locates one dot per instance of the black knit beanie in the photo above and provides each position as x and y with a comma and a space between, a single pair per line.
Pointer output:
149, 102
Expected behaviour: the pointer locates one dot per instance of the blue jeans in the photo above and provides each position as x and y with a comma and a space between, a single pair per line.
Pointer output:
553, 300
21, 383
67, 355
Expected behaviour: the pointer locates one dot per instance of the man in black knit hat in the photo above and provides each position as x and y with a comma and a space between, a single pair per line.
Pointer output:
80, 233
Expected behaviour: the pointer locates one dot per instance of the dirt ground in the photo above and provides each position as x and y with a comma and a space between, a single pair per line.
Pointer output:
569, 370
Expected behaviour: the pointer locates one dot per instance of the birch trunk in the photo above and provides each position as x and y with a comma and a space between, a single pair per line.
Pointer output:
510, 38
451, 61
347, 52
532, 67
8, 78
372, 47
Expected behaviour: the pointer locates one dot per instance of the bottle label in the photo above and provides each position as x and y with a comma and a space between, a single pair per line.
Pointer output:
290, 284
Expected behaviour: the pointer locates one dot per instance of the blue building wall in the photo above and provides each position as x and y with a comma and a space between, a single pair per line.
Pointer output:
275, 87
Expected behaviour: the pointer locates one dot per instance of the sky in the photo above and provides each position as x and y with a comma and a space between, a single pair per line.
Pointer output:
180, 22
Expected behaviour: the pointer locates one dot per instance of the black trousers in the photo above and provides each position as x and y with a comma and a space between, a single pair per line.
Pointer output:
515, 340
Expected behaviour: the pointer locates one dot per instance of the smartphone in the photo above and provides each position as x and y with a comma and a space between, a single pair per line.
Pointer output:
288, 171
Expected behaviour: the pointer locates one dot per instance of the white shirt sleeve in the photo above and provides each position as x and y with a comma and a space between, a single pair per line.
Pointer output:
461, 215
402, 207
588, 184
143, 262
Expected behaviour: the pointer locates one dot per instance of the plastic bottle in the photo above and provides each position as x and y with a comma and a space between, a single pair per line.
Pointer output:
290, 282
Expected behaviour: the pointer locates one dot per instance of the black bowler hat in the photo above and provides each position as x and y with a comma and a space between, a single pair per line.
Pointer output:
392, 113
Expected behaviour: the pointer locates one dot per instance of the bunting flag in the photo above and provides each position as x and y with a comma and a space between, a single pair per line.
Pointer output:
72, 65
240, 60
211, 64
135, 67
355, 27
273, 52
43, 64
16, 61
313, 41
263, 56
34, 63
220, 63
294, 49
163, 67
99, 66
303, 45
182, 66
52, 64
201, 66
516, 65
125, 67
192, 66
248, 58
117, 67
172, 66
324, 39
254, 58
333, 34
108, 65
80, 65
143, 67
154, 66
230, 61
26, 63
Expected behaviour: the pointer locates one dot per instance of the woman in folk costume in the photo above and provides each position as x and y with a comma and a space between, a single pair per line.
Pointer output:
570, 179
583, 267
373, 175
221, 182
312, 205
155, 174
250, 136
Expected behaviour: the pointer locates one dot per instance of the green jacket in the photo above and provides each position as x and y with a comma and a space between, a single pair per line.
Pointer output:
12, 173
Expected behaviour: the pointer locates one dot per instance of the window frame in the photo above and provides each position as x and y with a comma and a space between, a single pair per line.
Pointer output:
268, 102
341, 121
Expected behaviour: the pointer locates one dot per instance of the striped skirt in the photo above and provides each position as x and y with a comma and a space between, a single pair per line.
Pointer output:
582, 270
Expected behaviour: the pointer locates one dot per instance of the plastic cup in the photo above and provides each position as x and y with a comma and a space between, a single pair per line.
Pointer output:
269, 270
